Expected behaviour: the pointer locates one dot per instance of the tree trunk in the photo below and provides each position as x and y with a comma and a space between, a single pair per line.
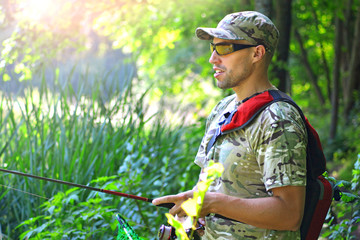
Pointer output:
245, 4
347, 36
346, 53
336, 77
353, 67
323, 57
310, 72
264, 6
283, 23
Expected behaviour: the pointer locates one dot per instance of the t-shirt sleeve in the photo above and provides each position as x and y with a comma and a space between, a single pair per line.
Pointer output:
280, 146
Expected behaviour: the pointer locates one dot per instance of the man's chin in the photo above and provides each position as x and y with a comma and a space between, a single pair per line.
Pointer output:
222, 86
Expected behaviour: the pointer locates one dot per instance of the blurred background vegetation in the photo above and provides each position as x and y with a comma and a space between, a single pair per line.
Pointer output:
115, 94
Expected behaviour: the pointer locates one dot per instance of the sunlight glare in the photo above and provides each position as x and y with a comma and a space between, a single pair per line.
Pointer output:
37, 10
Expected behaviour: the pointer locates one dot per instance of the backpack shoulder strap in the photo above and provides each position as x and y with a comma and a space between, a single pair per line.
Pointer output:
244, 114
315, 158
252, 107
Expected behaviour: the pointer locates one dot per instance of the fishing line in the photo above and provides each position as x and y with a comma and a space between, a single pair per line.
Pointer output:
165, 205
19, 190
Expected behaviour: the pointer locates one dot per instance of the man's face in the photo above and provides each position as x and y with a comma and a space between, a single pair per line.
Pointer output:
231, 69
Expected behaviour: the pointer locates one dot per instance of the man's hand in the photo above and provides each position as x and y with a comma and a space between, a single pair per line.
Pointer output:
282, 211
177, 199
200, 231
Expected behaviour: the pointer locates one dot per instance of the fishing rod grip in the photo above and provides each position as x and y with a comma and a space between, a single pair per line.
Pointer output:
164, 205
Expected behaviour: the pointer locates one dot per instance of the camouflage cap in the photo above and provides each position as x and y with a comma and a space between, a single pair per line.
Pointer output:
251, 26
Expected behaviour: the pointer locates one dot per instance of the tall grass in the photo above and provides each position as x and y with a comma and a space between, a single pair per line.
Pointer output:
66, 134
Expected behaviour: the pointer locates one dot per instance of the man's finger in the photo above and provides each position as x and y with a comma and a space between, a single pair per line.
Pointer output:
165, 199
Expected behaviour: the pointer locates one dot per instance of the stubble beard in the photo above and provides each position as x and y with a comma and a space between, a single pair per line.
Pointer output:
230, 80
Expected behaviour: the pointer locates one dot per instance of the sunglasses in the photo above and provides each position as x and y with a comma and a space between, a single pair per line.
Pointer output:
227, 48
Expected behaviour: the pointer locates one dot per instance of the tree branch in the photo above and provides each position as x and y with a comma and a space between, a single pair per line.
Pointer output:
310, 72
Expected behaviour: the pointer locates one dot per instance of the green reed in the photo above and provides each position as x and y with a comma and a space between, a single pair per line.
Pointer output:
79, 136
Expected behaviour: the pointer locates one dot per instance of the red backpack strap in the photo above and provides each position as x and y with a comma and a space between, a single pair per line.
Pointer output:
319, 191
319, 195
248, 110
242, 116
315, 159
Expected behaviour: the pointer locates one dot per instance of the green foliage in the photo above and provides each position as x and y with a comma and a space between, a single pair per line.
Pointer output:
68, 218
76, 138
314, 22
345, 216
77, 133
344, 148
192, 206
159, 34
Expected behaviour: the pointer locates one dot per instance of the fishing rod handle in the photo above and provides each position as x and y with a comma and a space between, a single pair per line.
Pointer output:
164, 205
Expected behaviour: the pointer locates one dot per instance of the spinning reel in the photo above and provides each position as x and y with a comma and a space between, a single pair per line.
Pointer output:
168, 233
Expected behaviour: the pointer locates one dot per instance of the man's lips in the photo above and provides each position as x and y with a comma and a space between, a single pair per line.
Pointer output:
218, 71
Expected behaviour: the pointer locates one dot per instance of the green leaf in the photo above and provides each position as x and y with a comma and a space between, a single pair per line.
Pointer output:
349, 197
180, 231
214, 169
190, 207
6, 77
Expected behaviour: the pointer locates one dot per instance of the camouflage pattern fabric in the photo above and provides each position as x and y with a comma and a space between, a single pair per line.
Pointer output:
251, 26
269, 153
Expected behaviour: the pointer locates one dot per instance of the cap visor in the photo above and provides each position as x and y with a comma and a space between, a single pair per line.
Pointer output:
210, 33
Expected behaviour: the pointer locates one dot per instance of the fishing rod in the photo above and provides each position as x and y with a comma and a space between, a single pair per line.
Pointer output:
165, 205
164, 233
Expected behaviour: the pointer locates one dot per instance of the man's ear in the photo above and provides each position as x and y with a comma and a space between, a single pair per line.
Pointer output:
259, 53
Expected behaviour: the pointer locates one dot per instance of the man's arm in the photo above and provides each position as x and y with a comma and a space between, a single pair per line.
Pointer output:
282, 211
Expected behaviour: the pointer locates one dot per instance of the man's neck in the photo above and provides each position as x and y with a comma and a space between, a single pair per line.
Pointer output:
251, 87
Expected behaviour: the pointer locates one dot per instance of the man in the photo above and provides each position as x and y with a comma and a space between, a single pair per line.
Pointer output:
261, 194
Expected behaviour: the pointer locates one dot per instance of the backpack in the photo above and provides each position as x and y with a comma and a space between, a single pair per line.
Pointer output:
319, 191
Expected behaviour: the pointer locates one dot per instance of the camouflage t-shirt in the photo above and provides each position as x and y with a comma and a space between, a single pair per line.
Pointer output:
268, 153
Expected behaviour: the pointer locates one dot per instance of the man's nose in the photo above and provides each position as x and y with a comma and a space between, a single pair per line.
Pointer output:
214, 58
